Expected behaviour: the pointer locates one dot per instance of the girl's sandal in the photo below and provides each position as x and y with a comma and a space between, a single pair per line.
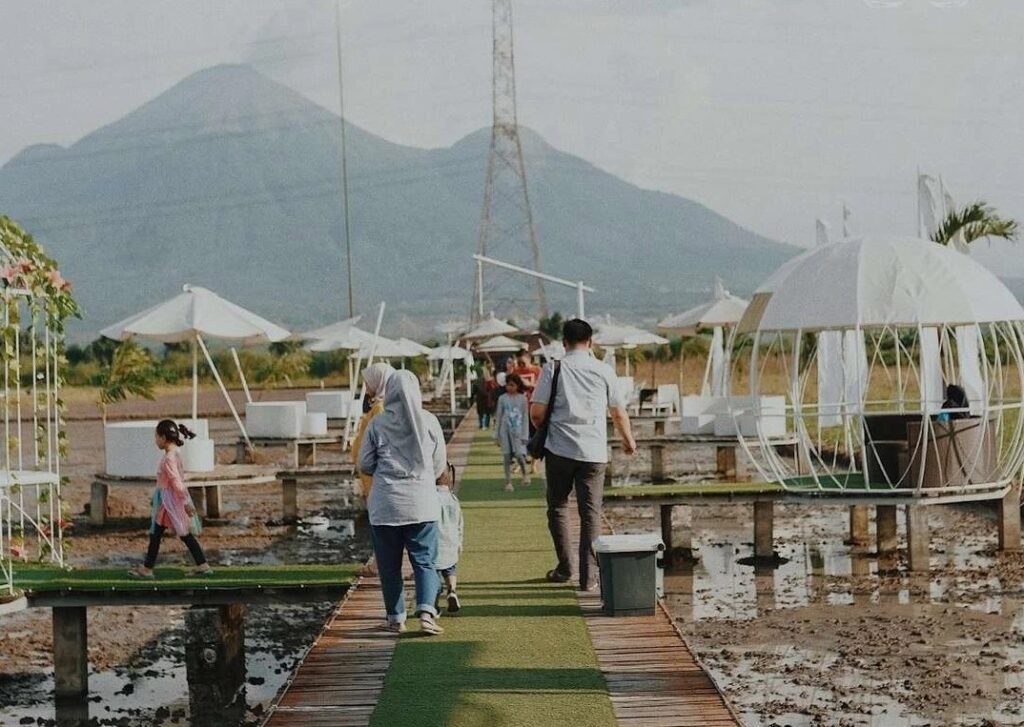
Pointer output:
141, 574
198, 573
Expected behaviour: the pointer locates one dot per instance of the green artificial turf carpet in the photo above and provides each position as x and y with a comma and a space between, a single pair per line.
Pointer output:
518, 653
40, 578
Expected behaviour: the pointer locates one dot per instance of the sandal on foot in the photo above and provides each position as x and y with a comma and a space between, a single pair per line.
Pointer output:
141, 574
453, 603
198, 573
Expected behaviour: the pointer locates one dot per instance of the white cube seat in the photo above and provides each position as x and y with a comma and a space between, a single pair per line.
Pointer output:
314, 424
131, 451
275, 419
332, 403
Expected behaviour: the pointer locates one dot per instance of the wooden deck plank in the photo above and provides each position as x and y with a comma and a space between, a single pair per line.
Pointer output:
342, 676
653, 678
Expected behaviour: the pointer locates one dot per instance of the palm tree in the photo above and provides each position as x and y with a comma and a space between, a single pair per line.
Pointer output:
131, 373
976, 220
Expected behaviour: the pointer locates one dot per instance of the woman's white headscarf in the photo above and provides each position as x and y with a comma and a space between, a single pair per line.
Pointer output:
402, 426
376, 377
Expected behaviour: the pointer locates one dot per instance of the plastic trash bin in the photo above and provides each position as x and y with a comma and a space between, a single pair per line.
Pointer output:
629, 577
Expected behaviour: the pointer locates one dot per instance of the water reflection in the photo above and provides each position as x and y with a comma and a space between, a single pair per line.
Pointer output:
837, 635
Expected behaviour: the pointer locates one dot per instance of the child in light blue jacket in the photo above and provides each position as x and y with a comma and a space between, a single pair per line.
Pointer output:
450, 529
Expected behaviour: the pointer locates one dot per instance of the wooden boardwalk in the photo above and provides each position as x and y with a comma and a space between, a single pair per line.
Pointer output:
653, 678
342, 676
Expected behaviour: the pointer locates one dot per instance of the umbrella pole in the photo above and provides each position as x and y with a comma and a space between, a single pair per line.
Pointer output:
224, 391
362, 390
241, 374
195, 379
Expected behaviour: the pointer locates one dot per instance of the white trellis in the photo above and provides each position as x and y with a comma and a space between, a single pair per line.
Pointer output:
861, 338
32, 520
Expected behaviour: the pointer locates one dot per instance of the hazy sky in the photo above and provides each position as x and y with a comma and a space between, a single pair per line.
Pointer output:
772, 112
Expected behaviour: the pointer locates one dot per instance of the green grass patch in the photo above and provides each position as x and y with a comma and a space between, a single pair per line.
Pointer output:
518, 654
711, 489
38, 578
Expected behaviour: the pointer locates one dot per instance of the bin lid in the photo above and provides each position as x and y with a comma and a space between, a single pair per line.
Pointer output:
633, 543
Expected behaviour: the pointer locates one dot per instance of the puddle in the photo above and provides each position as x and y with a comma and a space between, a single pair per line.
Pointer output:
831, 636
153, 689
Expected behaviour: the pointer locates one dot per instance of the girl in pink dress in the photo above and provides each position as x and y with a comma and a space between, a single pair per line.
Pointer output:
172, 505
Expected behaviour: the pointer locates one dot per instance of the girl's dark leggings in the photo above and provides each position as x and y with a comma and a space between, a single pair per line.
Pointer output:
189, 540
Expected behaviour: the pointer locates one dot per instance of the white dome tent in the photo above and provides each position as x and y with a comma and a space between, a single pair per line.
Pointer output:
862, 337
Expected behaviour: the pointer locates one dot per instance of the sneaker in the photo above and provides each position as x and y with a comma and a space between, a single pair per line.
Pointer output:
453, 602
396, 627
429, 625
509, 487
554, 576
526, 480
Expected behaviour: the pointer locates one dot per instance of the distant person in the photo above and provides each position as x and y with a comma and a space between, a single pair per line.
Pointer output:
528, 371
376, 378
450, 531
956, 400
172, 504
483, 390
512, 431
577, 446
404, 450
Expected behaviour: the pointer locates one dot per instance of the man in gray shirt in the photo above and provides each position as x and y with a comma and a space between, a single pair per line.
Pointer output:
577, 445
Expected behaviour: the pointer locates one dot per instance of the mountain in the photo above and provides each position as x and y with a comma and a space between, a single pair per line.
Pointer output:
231, 180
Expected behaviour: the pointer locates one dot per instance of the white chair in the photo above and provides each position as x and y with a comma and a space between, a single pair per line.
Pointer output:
627, 390
666, 400
699, 413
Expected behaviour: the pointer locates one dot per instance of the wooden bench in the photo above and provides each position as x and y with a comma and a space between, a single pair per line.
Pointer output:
303, 448
204, 487
728, 454
291, 479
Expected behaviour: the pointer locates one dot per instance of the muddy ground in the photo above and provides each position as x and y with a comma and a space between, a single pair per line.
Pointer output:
137, 675
830, 638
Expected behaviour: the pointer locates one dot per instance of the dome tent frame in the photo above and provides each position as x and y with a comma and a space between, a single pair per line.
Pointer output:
35, 300
861, 338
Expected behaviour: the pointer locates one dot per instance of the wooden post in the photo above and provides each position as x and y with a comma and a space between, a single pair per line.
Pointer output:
1009, 520
98, 504
657, 462
666, 531
885, 529
70, 651
214, 661
290, 499
198, 498
305, 453
764, 515
240, 452
659, 427
917, 537
725, 456
213, 503
860, 526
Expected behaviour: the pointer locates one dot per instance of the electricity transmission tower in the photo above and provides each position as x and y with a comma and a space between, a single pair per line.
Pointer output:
506, 226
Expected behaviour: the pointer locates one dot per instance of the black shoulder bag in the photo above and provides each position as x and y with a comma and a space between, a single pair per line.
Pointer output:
536, 446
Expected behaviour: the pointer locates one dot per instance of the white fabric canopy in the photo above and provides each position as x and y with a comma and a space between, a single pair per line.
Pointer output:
197, 311
490, 328
443, 353
412, 349
724, 310
876, 281
615, 335
500, 344
338, 330
386, 348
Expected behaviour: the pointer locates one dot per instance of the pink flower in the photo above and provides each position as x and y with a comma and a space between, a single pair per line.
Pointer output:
56, 279
26, 265
9, 273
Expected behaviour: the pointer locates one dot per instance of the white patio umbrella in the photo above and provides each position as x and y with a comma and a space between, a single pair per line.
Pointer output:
412, 348
445, 353
189, 316
723, 312
616, 335
338, 330
490, 328
500, 344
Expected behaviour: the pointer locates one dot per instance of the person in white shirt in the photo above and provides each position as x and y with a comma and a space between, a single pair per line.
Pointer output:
576, 447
